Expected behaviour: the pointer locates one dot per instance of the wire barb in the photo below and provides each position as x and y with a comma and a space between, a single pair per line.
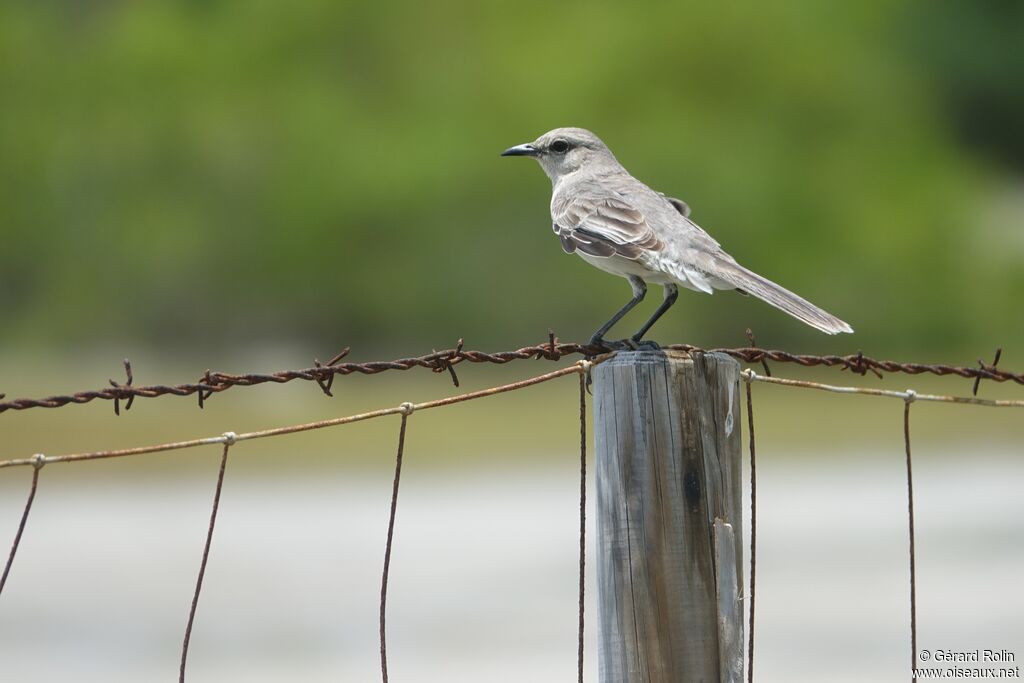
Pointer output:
325, 378
986, 369
753, 344
860, 365
205, 389
551, 352
443, 362
125, 386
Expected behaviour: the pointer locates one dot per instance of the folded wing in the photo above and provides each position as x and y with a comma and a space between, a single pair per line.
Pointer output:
603, 226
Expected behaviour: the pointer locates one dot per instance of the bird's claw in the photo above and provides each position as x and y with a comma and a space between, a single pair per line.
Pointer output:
645, 344
629, 344
611, 345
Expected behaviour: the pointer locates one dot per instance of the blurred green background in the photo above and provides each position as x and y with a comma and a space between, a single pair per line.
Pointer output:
197, 176
244, 185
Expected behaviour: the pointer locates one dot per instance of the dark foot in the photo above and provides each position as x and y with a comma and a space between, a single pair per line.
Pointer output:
626, 344
644, 344
613, 345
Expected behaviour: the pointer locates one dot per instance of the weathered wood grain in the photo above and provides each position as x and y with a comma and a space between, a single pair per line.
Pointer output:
667, 434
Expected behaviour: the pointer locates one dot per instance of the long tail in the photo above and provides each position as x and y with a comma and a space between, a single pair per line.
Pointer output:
779, 297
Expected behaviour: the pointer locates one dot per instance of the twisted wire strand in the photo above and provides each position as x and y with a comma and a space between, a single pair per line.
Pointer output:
291, 429
446, 361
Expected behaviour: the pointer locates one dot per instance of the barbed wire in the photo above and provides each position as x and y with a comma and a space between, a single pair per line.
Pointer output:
860, 364
445, 361
228, 439
40, 459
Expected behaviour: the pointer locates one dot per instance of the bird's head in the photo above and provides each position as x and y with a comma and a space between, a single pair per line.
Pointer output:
566, 150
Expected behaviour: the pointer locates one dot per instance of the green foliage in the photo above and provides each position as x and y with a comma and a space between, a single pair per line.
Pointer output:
185, 173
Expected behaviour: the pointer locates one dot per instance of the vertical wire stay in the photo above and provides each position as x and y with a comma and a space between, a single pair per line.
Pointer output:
38, 465
583, 516
230, 439
910, 526
407, 409
753, 532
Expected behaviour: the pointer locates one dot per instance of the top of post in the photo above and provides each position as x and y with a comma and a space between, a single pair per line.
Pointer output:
670, 357
648, 357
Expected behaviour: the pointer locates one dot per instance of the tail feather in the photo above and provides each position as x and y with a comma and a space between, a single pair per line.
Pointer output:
781, 298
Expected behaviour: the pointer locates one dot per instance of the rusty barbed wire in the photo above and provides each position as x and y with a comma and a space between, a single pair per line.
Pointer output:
445, 361
860, 364
229, 439
39, 459
981, 364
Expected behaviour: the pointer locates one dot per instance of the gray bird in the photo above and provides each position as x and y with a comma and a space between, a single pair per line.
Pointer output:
615, 222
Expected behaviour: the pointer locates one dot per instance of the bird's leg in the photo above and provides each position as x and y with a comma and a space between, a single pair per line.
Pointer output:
671, 292
639, 290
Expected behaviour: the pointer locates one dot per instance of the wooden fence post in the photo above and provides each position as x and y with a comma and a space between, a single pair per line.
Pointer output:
669, 550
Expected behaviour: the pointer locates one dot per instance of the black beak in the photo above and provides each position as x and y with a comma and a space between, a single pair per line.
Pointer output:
526, 150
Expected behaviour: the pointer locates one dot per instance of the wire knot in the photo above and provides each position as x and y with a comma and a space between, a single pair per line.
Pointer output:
550, 352
229, 438
406, 408
442, 363
205, 388
910, 396
126, 388
325, 375
986, 370
38, 460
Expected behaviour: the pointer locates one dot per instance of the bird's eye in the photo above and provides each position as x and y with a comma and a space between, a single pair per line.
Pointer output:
559, 147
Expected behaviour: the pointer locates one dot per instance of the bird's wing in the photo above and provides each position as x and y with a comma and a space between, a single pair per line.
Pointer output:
602, 224
680, 206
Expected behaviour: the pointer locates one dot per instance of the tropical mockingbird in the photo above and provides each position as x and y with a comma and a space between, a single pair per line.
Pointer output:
615, 222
